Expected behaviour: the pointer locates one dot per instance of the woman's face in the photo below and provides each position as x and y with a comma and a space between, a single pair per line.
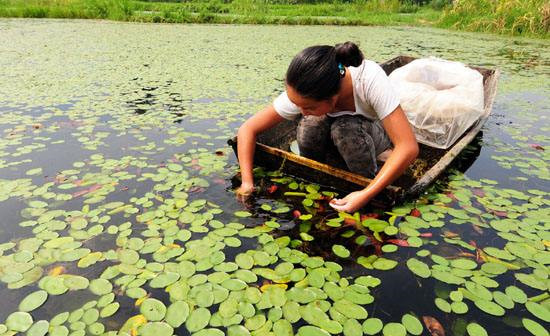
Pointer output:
309, 106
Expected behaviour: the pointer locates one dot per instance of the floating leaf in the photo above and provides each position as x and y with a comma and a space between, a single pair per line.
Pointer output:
19, 321
384, 264
538, 310
153, 309
412, 324
372, 326
534, 328
340, 251
198, 319
475, 329
156, 329
33, 301
489, 307
419, 268
394, 329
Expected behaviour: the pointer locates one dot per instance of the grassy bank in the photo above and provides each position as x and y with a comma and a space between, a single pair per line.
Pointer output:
513, 17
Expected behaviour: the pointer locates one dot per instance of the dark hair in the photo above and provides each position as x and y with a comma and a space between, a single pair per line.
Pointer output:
314, 72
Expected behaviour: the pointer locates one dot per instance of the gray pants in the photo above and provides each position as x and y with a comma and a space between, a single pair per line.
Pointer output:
357, 140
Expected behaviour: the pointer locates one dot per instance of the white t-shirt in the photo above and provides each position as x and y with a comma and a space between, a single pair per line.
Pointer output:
373, 94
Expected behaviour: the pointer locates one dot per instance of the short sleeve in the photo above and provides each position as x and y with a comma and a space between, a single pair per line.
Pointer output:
380, 93
285, 108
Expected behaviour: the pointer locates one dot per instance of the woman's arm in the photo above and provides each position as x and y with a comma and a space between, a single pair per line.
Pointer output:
246, 143
405, 151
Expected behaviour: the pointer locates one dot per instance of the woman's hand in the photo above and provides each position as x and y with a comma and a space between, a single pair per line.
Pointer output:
352, 202
244, 191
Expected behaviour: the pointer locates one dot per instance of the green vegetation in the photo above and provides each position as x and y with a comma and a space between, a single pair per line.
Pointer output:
527, 18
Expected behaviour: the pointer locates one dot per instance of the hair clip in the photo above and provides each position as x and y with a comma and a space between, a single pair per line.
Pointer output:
342, 69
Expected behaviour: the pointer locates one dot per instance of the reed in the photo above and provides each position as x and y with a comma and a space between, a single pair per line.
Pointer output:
512, 17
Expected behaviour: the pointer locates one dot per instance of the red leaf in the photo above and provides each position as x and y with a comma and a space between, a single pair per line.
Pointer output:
479, 192
350, 221
434, 327
296, 213
272, 189
398, 242
219, 181
369, 215
426, 235
415, 213
500, 213
88, 190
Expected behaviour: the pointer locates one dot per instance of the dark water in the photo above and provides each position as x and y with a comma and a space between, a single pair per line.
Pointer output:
146, 96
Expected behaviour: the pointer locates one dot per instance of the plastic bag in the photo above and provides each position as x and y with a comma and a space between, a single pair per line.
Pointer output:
441, 99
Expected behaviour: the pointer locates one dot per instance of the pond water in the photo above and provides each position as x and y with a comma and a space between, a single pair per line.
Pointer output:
118, 216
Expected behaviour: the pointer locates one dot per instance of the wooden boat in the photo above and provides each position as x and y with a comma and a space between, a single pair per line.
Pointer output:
273, 152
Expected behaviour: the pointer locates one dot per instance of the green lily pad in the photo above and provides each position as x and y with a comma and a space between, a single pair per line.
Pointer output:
384, 264
443, 305
516, 294
198, 319
109, 309
394, 329
153, 309
489, 307
177, 313
419, 268
311, 331
475, 329
465, 264
538, 310
242, 214
412, 324
33, 301
534, 327
100, 286
39, 328
19, 321
372, 326
237, 330
504, 300
493, 268
156, 329
340, 251
459, 307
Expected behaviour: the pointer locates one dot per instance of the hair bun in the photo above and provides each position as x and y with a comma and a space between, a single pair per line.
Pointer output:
349, 54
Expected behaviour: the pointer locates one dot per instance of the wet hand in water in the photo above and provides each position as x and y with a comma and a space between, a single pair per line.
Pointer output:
244, 192
351, 203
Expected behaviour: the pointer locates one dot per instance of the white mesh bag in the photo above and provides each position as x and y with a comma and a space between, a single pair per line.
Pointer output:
441, 99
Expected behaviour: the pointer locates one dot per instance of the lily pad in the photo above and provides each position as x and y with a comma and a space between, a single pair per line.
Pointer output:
534, 327
412, 324
475, 329
156, 329
372, 326
394, 329
33, 301
538, 310
340, 251
198, 319
19, 321
153, 309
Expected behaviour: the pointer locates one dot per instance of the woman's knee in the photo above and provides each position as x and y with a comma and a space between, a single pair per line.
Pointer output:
312, 136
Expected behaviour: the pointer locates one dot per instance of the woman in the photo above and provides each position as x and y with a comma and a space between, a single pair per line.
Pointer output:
342, 98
